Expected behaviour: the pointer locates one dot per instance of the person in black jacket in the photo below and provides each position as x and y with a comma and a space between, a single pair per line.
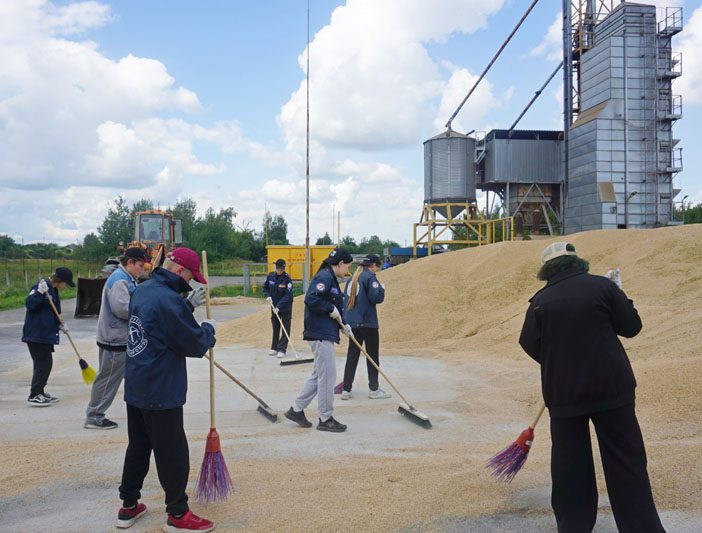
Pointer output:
162, 334
324, 303
571, 329
279, 294
40, 331
363, 293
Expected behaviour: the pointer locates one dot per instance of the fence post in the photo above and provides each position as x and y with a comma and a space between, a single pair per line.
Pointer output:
247, 281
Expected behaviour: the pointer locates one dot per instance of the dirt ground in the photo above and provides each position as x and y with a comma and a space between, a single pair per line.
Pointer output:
449, 330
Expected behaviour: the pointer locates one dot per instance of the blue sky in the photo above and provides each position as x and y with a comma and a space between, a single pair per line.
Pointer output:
174, 99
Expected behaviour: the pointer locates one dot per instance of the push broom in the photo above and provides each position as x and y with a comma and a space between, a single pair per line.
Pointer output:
509, 461
297, 360
406, 409
85, 368
214, 482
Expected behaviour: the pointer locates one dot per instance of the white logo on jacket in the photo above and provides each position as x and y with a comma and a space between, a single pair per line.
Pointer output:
137, 337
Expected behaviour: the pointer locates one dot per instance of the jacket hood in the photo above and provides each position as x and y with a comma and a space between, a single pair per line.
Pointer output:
174, 281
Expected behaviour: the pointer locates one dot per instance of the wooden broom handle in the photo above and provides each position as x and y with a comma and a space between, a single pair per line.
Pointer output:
538, 415
211, 357
284, 331
53, 306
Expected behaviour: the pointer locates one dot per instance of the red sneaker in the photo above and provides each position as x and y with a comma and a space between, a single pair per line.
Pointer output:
127, 517
188, 522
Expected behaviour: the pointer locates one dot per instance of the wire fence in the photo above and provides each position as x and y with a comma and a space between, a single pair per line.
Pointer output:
23, 273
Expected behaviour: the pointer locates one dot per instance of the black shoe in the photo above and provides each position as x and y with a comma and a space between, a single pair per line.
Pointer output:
298, 417
331, 425
105, 423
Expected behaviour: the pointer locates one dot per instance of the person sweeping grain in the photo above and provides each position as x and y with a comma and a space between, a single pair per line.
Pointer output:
324, 303
162, 333
41, 331
279, 294
363, 293
571, 329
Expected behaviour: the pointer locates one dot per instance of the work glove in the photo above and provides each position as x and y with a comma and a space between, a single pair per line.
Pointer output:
43, 287
347, 330
197, 296
615, 277
63, 327
269, 300
276, 310
335, 314
212, 322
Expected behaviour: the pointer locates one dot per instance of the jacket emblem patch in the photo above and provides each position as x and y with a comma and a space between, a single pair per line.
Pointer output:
137, 337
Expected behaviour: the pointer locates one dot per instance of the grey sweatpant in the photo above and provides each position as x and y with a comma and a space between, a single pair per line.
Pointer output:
106, 384
321, 382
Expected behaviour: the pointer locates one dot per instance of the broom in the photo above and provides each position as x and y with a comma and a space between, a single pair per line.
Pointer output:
509, 461
85, 368
290, 360
214, 482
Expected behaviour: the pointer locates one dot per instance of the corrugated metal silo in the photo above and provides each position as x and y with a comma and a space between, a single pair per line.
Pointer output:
449, 168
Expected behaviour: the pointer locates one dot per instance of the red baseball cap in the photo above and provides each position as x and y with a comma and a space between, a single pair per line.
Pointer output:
189, 259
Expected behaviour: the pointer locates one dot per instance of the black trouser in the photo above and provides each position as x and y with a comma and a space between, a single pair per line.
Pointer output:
279, 342
43, 361
162, 432
370, 337
574, 493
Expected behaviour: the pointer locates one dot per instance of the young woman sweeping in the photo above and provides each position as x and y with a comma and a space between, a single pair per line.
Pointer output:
363, 293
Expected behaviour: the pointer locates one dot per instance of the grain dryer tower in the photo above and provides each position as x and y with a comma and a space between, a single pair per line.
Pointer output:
619, 109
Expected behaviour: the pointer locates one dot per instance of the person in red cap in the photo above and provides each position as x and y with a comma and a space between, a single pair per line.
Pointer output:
162, 333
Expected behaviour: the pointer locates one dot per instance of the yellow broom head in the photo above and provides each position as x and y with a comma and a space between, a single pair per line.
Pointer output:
87, 371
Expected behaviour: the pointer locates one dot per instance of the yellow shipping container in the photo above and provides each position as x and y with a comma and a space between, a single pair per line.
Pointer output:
295, 258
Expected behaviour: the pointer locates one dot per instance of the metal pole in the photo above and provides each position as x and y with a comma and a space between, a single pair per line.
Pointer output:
536, 95
306, 273
504, 44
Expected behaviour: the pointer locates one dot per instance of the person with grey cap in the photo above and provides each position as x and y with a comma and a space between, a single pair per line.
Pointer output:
112, 332
324, 305
278, 290
41, 331
363, 293
572, 329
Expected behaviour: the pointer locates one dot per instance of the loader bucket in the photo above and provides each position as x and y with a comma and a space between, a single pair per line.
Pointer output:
89, 297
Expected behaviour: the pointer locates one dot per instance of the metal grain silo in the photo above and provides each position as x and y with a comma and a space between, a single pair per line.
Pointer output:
449, 169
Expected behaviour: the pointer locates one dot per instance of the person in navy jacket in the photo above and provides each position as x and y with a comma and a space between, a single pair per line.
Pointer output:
324, 303
363, 293
162, 333
41, 331
279, 294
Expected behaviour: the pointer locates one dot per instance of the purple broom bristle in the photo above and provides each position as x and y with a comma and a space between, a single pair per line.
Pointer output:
508, 462
214, 482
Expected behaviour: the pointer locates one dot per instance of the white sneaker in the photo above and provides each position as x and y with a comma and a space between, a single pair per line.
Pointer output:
281, 355
379, 394
272, 352
346, 395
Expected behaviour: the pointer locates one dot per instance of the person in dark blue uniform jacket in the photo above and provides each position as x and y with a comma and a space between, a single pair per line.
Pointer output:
279, 294
162, 333
572, 330
324, 303
363, 292
41, 331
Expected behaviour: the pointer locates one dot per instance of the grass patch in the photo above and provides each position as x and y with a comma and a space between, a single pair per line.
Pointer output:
15, 298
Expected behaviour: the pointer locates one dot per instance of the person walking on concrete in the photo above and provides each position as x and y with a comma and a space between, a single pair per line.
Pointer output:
324, 303
41, 331
279, 295
363, 293
112, 331
162, 333
571, 329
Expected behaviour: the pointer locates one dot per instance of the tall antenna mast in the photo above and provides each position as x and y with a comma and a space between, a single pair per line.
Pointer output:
306, 273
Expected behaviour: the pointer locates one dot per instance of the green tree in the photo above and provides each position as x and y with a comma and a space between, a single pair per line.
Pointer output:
277, 229
324, 241
116, 227
142, 205
186, 212
7, 243
348, 243
371, 245
693, 215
